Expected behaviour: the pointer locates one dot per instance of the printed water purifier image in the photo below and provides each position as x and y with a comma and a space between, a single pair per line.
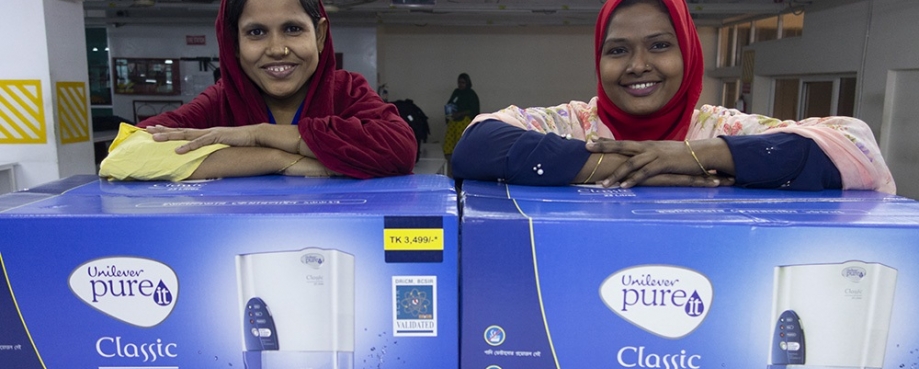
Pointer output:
297, 309
831, 315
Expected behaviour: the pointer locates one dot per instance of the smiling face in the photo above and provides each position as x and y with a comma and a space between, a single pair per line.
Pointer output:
641, 67
279, 47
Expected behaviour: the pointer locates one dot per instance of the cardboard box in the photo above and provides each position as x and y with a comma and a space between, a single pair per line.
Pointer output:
236, 273
586, 277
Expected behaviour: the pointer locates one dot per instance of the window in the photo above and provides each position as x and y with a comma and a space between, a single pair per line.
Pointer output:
100, 84
792, 25
766, 29
146, 76
813, 96
732, 38
731, 41
818, 99
726, 46
785, 99
730, 93
743, 39
846, 101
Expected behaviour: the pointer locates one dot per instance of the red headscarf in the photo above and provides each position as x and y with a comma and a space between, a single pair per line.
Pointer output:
672, 121
327, 122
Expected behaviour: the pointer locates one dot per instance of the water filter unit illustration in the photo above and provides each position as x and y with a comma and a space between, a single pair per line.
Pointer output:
297, 309
831, 315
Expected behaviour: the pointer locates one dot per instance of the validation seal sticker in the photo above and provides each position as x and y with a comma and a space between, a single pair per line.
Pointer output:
414, 306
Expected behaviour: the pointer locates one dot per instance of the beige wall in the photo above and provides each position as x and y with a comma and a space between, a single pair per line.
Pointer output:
523, 66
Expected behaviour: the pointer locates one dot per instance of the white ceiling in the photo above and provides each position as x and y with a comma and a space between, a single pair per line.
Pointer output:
443, 13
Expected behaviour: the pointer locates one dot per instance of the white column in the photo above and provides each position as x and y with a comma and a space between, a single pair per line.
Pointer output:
45, 122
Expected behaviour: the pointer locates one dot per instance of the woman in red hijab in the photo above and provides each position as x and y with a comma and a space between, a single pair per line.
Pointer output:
280, 107
643, 127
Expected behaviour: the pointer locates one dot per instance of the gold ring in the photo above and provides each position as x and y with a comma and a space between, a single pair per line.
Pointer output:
286, 51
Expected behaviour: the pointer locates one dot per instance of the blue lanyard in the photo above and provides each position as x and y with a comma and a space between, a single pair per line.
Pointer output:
296, 116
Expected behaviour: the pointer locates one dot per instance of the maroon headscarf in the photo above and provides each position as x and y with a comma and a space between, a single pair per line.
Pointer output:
329, 122
672, 121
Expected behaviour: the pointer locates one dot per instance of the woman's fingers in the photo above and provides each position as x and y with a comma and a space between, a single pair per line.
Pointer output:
682, 180
196, 137
162, 134
606, 145
156, 129
634, 168
192, 145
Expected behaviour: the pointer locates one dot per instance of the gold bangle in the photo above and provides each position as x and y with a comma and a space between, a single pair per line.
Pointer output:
290, 165
595, 169
297, 143
693, 153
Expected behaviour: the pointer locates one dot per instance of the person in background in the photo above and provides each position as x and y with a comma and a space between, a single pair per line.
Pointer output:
280, 106
642, 128
459, 110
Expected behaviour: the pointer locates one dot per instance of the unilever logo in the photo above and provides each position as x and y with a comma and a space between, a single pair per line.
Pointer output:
668, 301
854, 274
314, 260
137, 291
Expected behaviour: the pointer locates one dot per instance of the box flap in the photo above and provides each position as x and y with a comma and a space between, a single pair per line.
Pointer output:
594, 193
269, 195
707, 206
270, 185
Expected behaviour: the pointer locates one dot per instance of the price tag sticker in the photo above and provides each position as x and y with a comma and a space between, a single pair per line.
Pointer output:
413, 239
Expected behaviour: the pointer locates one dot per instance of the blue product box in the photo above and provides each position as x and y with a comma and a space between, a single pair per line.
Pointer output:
679, 278
254, 273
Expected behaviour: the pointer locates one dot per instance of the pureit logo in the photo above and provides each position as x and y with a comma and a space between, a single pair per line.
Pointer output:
314, 260
136, 291
668, 301
854, 274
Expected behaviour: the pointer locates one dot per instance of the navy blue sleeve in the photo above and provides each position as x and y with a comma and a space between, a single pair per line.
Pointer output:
496, 151
781, 160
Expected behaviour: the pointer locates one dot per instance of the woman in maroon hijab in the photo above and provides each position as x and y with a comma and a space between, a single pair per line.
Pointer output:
281, 106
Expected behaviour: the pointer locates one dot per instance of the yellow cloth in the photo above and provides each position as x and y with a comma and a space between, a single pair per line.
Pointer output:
134, 155
455, 130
